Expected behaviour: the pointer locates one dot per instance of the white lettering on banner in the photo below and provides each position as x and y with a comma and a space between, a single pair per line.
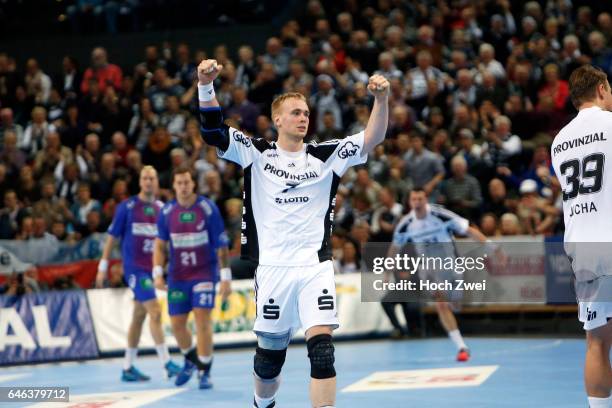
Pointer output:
43, 330
9, 318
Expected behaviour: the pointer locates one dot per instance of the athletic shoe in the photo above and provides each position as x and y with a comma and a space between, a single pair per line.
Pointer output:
396, 334
185, 374
133, 375
463, 355
270, 405
171, 369
205, 382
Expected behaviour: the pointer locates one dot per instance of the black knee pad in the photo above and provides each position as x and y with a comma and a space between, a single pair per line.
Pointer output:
268, 363
321, 355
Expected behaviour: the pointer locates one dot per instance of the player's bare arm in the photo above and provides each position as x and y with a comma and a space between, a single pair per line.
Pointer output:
159, 259
225, 286
103, 264
379, 118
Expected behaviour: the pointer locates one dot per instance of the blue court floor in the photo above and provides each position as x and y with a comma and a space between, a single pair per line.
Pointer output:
503, 372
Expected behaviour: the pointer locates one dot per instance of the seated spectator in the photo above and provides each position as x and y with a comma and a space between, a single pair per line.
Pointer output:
535, 214
554, 94
163, 87
11, 215
461, 192
102, 72
36, 132
488, 225
422, 166
385, 216
83, 205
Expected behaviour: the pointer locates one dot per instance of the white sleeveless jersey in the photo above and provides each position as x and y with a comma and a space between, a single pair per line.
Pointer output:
582, 159
289, 198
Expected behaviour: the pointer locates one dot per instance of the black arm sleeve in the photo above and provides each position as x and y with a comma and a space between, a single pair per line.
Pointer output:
214, 131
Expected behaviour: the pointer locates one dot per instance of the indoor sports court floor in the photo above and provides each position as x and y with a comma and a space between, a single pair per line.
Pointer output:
504, 372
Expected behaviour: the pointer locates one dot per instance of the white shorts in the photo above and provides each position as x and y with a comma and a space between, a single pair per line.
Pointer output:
290, 297
594, 314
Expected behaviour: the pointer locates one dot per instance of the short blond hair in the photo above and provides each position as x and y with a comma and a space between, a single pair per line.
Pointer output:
148, 168
278, 101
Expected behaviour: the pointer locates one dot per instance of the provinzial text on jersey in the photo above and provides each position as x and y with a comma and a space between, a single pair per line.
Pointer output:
286, 175
580, 141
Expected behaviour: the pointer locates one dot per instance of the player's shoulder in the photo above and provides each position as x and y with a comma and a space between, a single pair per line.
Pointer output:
129, 203
404, 222
207, 205
441, 212
258, 143
168, 207
343, 148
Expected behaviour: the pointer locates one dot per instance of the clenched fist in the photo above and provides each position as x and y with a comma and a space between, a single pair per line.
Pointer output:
378, 86
208, 70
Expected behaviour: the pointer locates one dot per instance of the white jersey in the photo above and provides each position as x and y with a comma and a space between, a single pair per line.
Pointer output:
438, 225
289, 198
579, 154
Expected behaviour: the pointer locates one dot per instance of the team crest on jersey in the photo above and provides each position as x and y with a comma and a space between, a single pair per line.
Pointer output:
148, 210
349, 149
187, 217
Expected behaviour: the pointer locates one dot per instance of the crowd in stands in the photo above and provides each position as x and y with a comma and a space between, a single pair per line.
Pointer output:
478, 91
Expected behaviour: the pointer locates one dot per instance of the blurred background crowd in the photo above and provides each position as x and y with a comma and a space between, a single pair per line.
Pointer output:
479, 89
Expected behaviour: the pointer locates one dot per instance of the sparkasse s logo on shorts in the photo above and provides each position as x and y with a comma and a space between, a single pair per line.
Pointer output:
348, 150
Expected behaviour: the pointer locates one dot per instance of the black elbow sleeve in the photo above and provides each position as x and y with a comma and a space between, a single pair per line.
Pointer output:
214, 131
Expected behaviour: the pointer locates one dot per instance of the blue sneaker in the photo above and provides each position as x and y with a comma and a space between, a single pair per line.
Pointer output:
133, 375
172, 369
205, 382
185, 374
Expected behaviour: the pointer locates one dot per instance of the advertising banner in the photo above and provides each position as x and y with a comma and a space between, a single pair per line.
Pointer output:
45, 327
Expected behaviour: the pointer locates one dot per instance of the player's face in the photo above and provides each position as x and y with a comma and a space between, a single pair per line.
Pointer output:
149, 182
418, 200
183, 186
293, 118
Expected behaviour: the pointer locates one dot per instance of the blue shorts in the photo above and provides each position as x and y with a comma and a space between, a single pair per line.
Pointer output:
141, 283
183, 296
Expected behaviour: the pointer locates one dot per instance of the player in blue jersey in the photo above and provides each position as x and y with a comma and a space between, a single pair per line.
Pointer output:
135, 225
192, 227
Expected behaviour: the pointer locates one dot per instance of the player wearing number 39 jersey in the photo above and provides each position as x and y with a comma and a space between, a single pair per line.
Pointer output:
289, 195
135, 225
581, 155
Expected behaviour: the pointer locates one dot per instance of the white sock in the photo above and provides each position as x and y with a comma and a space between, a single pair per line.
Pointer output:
595, 402
264, 402
205, 359
130, 357
162, 353
455, 336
